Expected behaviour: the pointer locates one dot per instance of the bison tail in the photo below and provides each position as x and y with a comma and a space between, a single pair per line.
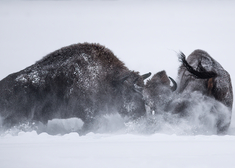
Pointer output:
201, 73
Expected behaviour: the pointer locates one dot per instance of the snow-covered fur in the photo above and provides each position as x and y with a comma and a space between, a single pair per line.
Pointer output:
81, 80
200, 74
203, 97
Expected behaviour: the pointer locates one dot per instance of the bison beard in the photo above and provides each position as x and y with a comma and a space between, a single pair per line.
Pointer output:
81, 80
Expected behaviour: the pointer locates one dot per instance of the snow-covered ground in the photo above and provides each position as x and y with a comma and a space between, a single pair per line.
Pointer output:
101, 150
146, 35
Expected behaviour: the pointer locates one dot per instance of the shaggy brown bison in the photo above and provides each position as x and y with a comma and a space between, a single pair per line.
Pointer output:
203, 76
202, 97
81, 80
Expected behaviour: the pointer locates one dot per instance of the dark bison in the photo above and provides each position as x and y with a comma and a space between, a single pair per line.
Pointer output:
202, 97
81, 80
202, 80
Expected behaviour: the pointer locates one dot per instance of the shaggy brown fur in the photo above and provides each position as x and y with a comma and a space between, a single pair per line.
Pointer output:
201, 73
80, 80
207, 76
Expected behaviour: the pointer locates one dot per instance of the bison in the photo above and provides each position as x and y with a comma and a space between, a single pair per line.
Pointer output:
202, 96
82, 80
203, 81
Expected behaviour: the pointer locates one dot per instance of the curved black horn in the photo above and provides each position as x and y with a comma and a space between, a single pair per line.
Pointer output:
145, 76
174, 87
202, 74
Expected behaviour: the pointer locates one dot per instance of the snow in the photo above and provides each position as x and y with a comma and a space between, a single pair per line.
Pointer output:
146, 36
102, 150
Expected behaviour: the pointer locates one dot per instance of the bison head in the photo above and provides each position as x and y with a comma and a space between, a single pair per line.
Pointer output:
129, 96
158, 92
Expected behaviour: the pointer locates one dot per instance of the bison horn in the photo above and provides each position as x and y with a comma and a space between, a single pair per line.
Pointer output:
145, 76
174, 87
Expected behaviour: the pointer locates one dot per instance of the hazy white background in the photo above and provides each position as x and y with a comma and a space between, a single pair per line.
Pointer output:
145, 35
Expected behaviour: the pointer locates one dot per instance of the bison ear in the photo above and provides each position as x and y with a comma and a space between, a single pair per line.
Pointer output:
145, 76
